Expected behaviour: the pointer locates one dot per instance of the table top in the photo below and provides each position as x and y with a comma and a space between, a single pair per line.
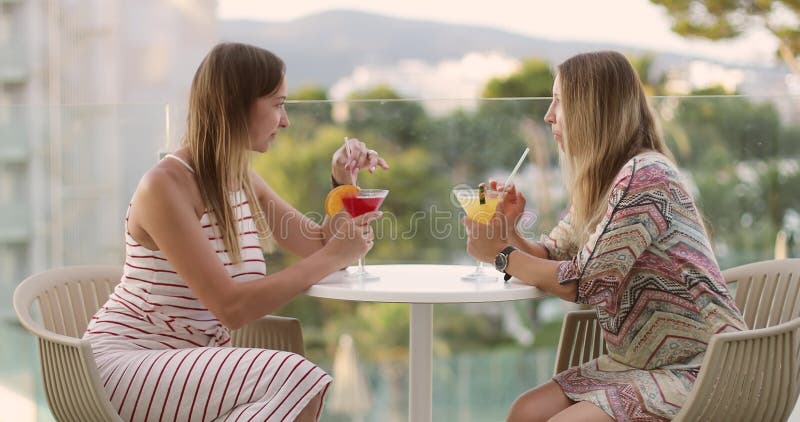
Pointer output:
415, 283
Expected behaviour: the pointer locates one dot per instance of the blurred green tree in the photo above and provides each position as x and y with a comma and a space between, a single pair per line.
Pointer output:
309, 110
726, 19
737, 152
381, 112
654, 84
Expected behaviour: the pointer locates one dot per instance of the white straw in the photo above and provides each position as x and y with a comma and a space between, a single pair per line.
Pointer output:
519, 163
353, 171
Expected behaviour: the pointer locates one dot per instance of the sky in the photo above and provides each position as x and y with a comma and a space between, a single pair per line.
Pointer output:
628, 22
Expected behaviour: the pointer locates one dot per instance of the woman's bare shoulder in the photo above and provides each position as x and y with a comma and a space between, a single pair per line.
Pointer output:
168, 181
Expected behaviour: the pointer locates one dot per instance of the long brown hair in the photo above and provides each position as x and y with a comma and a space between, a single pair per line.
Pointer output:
607, 121
228, 82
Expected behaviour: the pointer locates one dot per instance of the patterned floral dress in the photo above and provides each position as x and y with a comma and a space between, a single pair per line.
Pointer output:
651, 274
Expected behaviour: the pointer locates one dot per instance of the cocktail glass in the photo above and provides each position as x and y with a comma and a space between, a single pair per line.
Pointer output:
469, 199
366, 200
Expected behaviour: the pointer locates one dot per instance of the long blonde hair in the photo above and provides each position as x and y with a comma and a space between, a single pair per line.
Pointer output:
607, 121
226, 85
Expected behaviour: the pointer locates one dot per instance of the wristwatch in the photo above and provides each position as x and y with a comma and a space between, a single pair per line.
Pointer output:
501, 261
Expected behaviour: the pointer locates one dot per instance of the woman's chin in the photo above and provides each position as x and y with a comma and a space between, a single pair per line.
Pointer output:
262, 148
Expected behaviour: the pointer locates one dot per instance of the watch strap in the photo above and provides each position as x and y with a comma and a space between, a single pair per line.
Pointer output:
334, 182
506, 252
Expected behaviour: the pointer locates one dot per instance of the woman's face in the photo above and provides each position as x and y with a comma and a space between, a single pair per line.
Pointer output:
554, 115
267, 118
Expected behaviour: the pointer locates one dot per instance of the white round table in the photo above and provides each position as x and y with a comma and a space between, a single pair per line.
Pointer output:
421, 286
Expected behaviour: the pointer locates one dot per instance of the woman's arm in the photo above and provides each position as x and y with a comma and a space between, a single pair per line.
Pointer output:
165, 213
292, 230
540, 272
530, 247
635, 216
484, 244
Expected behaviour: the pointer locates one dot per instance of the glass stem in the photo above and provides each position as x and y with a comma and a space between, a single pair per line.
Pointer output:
361, 269
479, 269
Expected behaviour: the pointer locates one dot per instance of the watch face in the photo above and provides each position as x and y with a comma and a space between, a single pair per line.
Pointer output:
500, 262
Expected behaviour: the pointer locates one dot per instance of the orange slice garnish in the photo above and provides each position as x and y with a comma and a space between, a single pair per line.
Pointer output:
333, 202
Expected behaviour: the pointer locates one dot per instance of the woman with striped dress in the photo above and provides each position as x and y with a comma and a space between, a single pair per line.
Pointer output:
194, 267
633, 245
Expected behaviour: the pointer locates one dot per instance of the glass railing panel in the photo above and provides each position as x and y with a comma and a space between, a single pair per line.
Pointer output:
63, 202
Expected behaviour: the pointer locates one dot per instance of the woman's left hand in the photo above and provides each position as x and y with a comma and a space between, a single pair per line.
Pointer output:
351, 158
485, 241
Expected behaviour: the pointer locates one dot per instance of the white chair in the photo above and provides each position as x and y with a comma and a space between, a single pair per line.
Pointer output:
751, 375
67, 298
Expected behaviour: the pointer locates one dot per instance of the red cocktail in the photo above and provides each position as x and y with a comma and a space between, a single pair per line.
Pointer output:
366, 200
357, 205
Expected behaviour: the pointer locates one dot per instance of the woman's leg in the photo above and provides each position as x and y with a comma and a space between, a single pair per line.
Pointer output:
539, 404
582, 411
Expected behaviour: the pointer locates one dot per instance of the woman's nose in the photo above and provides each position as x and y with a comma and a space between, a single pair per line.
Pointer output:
548, 117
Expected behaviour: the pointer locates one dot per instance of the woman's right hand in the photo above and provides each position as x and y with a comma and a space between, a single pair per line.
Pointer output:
352, 238
513, 204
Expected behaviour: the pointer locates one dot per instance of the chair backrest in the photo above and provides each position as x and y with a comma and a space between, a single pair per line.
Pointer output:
767, 292
581, 340
67, 298
753, 374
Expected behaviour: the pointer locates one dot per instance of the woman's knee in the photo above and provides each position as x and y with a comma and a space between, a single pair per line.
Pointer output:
539, 404
526, 410
521, 410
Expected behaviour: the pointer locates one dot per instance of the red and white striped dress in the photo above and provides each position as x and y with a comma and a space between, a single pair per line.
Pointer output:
163, 356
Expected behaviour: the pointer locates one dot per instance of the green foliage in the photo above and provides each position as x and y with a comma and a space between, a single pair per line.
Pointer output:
309, 93
473, 143
711, 90
736, 151
458, 332
470, 144
308, 109
743, 128
299, 169
380, 330
534, 80
742, 159
726, 19
653, 84
401, 123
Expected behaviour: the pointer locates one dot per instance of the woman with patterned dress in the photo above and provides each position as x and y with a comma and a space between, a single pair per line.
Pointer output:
194, 267
633, 245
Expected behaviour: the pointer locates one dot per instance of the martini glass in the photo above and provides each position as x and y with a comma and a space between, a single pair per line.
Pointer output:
469, 199
366, 200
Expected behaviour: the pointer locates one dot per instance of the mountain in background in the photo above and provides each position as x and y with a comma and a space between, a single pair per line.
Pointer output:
324, 47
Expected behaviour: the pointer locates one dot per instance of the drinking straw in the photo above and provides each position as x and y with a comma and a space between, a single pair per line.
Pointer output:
516, 168
353, 171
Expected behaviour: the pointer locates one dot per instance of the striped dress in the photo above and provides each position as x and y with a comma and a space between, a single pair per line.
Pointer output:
651, 274
163, 356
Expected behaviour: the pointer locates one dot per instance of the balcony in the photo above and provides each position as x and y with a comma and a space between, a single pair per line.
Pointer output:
740, 155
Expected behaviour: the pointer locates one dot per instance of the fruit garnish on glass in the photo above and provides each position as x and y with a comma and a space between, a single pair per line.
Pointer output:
356, 202
480, 205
